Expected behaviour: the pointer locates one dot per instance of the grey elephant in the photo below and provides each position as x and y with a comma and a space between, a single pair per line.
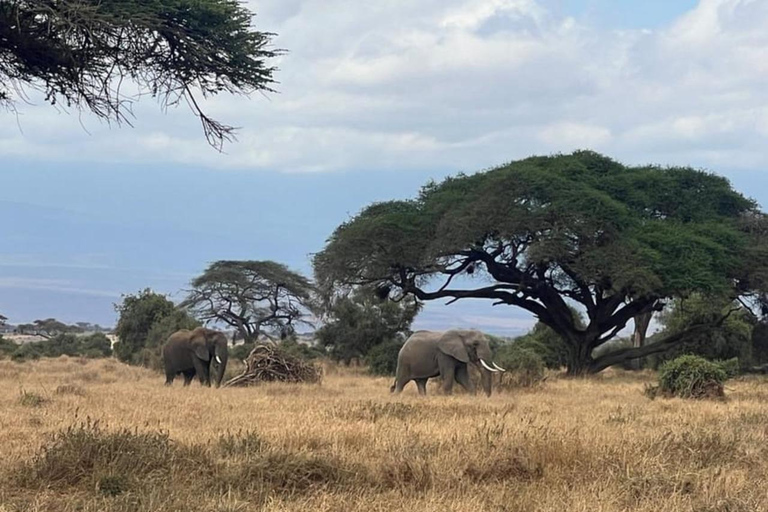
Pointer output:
191, 353
428, 354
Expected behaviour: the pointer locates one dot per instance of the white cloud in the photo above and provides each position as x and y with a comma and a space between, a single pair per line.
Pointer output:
459, 85
53, 285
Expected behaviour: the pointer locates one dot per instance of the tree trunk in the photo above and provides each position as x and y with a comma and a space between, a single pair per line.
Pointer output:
638, 336
579, 359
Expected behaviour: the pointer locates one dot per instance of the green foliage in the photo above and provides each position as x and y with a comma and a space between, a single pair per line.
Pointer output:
692, 376
293, 347
547, 344
92, 346
254, 297
289, 346
81, 51
240, 352
7, 347
146, 320
731, 367
382, 358
731, 339
362, 320
539, 231
525, 368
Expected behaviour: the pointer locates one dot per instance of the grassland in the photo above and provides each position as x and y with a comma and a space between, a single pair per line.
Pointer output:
100, 436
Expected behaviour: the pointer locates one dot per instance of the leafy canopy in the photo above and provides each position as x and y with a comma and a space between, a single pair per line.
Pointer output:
360, 321
254, 297
730, 339
544, 232
92, 54
144, 319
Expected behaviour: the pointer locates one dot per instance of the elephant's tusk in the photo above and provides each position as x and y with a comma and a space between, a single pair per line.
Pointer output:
498, 367
218, 360
488, 367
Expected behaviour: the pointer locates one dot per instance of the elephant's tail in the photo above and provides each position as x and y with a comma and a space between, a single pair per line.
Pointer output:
392, 387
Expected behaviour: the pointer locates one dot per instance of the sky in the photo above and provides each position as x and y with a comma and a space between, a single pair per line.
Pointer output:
374, 100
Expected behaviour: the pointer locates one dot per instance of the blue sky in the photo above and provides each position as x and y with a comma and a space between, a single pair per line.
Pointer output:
373, 102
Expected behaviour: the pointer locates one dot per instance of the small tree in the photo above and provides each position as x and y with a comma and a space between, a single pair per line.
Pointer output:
50, 327
362, 320
254, 297
138, 314
82, 53
731, 338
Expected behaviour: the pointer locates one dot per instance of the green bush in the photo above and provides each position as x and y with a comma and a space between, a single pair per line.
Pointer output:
731, 367
240, 352
301, 350
692, 376
525, 368
27, 351
7, 347
146, 320
382, 358
544, 342
91, 346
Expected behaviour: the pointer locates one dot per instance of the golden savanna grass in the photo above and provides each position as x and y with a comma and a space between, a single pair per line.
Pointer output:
101, 436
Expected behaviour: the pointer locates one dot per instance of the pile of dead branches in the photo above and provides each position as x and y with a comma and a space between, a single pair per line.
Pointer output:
267, 363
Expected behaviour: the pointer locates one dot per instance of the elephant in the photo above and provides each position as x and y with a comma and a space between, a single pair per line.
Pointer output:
428, 354
191, 353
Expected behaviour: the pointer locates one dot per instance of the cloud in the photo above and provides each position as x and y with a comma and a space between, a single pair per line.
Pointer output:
459, 85
53, 285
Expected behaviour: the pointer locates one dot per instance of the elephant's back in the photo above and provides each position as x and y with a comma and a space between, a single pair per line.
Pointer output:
419, 340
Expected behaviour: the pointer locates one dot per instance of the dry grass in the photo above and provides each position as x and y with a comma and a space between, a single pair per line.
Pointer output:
108, 437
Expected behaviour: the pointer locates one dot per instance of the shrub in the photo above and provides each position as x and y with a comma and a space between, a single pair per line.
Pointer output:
525, 368
27, 351
731, 367
692, 376
240, 352
382, 359
146, 320
94, 345
301, 350
7, 347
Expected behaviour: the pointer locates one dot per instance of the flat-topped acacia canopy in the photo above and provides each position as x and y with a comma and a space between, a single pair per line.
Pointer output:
545, 231
86, 53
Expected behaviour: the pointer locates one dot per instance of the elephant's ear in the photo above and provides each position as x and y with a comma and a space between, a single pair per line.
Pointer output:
452, 343
198, 342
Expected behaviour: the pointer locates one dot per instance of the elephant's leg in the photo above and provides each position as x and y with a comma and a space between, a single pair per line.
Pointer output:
201, 369
462, 377
447, 366
169, 376
207, 373
188, 376
422, 384
400, 384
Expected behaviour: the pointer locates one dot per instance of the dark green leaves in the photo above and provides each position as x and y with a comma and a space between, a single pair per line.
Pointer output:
82, 53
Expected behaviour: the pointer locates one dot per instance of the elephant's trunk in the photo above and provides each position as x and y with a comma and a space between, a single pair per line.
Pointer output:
486, 379
221, 357
486, 373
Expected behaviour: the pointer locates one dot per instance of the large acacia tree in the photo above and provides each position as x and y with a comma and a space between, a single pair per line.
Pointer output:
547, 232
90, 53
254, 297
